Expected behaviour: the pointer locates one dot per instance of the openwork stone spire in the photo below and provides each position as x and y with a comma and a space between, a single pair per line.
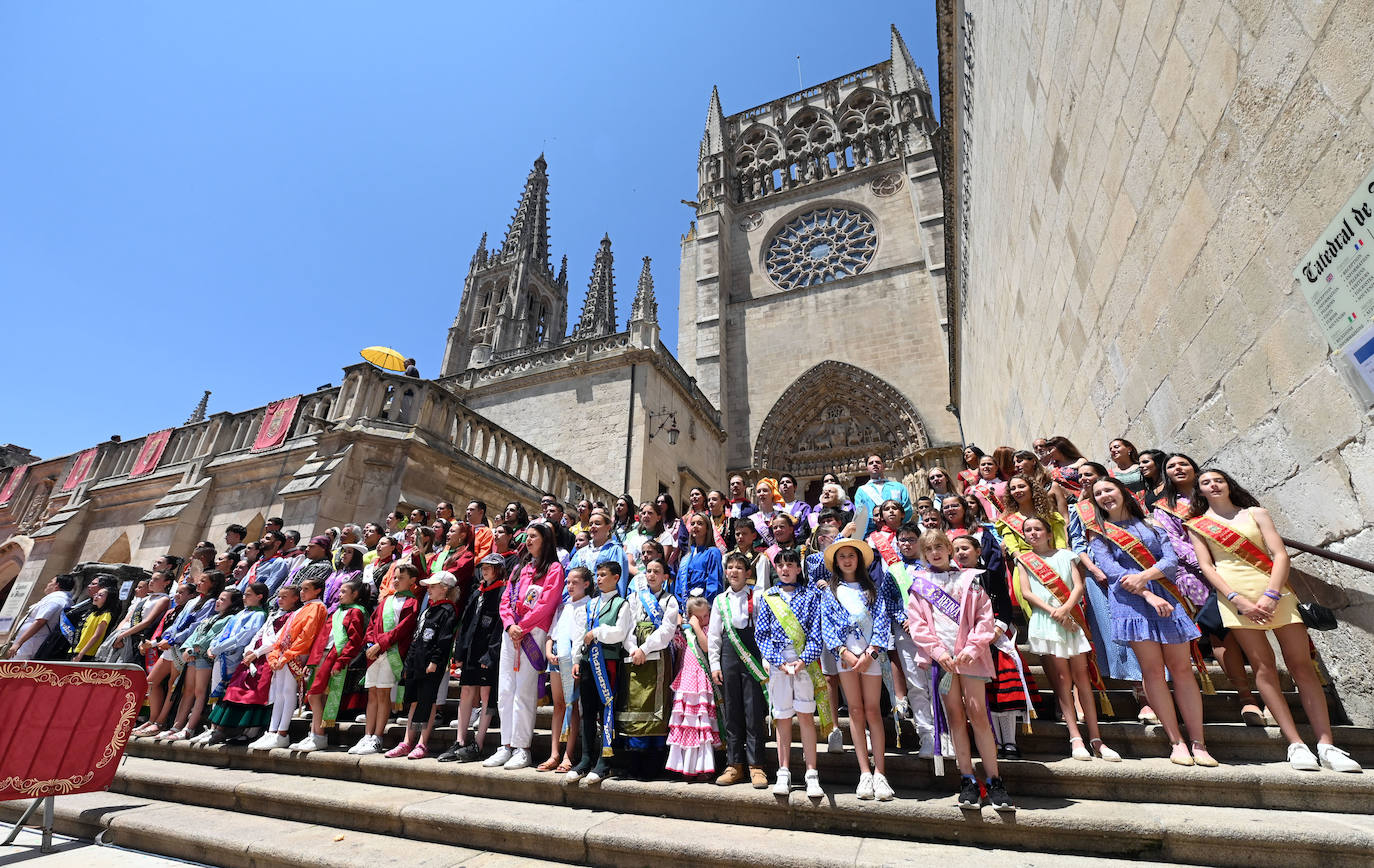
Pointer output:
198, 414
598, 309
906, 75
528, 234
645, 306
713, 140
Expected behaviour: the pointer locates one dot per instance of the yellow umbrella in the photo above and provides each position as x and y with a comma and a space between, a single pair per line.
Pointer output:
385, 357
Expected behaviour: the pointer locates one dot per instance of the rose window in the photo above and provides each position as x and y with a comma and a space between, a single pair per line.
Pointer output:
821, 246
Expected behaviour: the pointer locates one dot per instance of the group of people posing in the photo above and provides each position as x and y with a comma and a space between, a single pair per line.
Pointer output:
659, 637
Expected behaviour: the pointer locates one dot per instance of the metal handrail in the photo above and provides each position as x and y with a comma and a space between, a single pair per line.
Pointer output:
1339, 558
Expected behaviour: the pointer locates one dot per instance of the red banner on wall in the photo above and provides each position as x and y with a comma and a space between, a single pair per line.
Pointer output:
81, 468
12, 484
276, 424
151, 453
65, 726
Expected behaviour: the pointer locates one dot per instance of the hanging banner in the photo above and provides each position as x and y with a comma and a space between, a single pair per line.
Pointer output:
151, 453
276, 424
12, 484
1337, 274
81, 468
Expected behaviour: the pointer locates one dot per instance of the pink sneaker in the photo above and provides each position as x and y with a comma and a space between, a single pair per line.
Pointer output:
420, 752
399, 750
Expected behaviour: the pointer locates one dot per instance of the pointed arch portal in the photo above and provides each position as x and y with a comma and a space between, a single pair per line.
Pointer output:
832, 418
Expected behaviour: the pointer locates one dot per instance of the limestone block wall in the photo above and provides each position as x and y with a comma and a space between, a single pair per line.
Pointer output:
580, 421
1143, 178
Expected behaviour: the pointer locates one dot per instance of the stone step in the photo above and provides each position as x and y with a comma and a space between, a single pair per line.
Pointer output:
633, 823
205, 834
1274, 786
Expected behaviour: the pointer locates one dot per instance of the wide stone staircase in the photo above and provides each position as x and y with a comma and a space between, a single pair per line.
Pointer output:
229, 806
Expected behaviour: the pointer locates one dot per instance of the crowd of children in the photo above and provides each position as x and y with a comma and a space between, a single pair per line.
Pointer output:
659, 642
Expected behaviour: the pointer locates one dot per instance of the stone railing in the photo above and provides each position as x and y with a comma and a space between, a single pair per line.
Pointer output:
740, 119
372, 396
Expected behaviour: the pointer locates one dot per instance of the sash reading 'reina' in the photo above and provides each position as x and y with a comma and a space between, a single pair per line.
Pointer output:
1059, 592
1233, 541
1137, 551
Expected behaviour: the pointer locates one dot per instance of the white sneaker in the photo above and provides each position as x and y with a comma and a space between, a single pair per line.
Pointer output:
269, 741
572, 776
519, 759
500, 758
311, 742
591, 779
834, 743
882, 790
1302, 759
813, 785
367, 745
784, 785
362, 718
865, 788
1336, 759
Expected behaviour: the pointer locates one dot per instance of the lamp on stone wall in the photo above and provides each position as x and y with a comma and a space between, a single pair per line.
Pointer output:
669, 418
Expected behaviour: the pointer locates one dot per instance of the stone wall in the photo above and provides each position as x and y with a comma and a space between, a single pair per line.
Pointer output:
1142, 178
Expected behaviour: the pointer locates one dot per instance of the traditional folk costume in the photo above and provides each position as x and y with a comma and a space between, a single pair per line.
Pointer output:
531, 601
246, 703
339, 677
950, 611
289, 659
645, 701
391, 628
734, 652
694, 729
700, 571
227, 648
788, 628
609, 621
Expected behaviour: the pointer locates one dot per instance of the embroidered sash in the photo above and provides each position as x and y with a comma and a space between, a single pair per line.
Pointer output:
751, 663
787, 619
1087, 515
1136, 550
1016, 522
339, 634
1059, 592
1180, 513
652, 610
903, 580
602, 679
705, 665
939, 599
391, 614
1233, 541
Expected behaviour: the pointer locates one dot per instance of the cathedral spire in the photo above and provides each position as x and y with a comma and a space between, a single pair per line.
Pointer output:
528, 234
645, 306
198, 414
713, 140
598, 309
906, 75
479, 258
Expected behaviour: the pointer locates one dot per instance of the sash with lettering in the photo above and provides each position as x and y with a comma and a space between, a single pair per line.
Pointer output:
992, 504
596, 659
1137, 551
1017, 522
751, 663
1059, 592
1240, 545
528, 645
1088, 516
787, 619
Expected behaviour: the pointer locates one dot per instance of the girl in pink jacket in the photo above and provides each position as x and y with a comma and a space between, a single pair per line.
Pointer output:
950, 619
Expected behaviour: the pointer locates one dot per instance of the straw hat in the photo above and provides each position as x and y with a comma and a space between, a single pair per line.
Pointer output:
864, 549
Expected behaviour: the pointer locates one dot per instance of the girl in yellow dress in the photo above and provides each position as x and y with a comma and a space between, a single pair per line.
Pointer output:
1241, 553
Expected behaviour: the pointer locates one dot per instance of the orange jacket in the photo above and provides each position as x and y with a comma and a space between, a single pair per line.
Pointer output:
296, 639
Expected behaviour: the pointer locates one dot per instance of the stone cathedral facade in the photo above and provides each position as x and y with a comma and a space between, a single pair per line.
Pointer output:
812, 333
812, 304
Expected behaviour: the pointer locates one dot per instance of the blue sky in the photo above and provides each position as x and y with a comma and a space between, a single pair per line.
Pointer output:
240, 197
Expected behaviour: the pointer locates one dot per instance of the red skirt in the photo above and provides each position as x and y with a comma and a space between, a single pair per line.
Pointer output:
1006, 692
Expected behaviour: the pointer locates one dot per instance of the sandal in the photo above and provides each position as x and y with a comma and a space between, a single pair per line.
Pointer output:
1180, 755
564, 767
1202, 758
1105, 752
547, 765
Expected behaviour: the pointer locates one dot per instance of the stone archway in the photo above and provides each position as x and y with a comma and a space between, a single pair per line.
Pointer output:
832, 418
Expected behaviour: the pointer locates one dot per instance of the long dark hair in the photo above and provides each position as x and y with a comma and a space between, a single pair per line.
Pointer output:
1239, 496
264, 593
862, 576
1128, 501
1065, 447
235, 601
548, 549
1171, 492
1157, 456
670, 508
977, 456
